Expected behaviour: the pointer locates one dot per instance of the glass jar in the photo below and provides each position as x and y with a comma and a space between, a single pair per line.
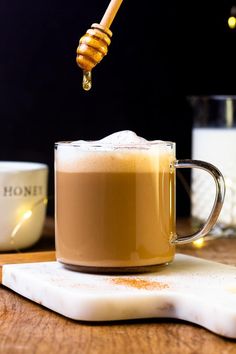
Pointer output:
214, 140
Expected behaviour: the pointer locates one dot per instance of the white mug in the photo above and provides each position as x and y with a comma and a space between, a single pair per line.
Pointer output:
23, 200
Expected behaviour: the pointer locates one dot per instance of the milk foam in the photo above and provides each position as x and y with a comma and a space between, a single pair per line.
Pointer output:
123, 151
121, 138
124, 137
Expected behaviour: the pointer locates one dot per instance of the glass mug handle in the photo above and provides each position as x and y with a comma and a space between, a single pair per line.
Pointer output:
218, 203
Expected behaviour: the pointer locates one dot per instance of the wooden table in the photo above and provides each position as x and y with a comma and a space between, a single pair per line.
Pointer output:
30, 328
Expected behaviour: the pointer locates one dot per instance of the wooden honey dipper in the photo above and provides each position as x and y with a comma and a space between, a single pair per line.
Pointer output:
93, 46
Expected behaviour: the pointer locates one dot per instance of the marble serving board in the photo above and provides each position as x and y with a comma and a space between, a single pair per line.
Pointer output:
192, 289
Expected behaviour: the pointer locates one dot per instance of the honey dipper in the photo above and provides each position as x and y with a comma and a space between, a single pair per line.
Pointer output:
93, 46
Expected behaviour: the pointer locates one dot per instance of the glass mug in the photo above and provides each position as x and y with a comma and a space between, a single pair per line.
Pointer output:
115, 205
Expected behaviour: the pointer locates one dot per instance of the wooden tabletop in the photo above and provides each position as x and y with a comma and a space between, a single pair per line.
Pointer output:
27, 327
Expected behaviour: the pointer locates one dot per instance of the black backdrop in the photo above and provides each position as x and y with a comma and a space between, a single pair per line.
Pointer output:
161, 52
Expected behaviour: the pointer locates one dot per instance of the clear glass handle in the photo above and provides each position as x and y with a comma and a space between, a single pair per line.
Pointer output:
218, 203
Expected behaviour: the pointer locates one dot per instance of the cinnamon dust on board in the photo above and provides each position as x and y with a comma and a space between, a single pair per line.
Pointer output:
140, 283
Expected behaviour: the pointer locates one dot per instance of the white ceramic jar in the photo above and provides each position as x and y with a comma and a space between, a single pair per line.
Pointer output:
23, 200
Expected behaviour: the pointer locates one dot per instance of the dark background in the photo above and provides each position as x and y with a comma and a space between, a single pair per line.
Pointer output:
161, 52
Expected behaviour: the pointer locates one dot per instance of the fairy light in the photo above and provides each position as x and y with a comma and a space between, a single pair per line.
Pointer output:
26, 216
232, 22
199, 243
232, 18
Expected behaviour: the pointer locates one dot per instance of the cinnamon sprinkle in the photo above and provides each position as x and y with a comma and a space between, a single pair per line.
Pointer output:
140, 283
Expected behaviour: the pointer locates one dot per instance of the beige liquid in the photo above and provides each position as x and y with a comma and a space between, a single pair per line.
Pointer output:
116, 219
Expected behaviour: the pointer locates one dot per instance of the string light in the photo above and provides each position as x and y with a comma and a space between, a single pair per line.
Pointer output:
199, 243
25, 216
232, 18
232, 22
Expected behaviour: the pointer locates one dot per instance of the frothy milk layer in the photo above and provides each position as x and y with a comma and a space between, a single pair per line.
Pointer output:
122, 151
124, 137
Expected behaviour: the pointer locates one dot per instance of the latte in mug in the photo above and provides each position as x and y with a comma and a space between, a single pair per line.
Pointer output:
115, 203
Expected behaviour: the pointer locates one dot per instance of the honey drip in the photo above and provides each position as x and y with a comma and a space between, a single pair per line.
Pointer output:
87, 80
93, 46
